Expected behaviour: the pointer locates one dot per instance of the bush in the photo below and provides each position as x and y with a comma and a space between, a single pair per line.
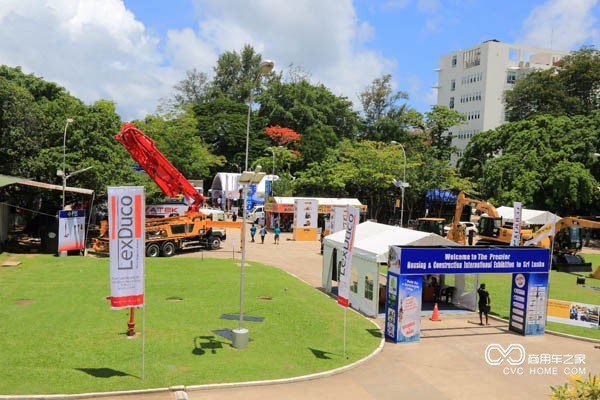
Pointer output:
578, 388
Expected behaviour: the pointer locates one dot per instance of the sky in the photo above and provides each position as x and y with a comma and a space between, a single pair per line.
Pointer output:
133, 52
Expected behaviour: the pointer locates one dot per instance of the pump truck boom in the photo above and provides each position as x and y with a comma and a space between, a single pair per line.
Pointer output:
164, 236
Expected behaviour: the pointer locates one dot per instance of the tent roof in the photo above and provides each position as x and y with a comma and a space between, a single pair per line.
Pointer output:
529, 217
372, 240
6, 180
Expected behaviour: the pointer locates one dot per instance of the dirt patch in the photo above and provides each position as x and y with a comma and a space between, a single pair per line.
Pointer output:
24, 301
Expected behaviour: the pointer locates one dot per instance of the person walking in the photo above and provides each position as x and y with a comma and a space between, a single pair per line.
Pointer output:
263, 233
252, 232
484, 303
277, 232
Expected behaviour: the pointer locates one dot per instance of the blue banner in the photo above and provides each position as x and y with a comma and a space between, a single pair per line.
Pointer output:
469, 260
403, 308
529, 296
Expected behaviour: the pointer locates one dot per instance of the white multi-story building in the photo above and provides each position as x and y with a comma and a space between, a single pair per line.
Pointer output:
473, 81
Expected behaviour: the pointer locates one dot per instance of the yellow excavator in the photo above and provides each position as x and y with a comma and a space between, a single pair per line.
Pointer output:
491, 229
567, 242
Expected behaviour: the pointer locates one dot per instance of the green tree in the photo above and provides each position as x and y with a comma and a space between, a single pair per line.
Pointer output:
525, 160
384, 118
572, 87
236, 74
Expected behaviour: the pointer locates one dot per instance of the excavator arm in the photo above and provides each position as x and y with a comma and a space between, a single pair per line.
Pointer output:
167, 177
457, 231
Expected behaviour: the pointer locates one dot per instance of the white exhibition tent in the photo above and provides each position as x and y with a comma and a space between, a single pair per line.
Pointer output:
371, 247
226, 185
529, 217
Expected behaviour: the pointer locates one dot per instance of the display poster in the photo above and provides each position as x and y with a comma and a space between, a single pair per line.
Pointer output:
127, 248
516, 230
71, 230
571, 313
470, 260
529, 295
403, 308
306, 213
346, 260
336, 219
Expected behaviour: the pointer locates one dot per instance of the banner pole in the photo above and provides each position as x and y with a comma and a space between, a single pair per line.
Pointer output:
345, 314
143, 337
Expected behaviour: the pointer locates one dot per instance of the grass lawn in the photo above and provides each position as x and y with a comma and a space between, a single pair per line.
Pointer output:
58, 334
562, 286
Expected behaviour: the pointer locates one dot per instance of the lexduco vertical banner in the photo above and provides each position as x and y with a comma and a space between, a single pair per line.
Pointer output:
346, 261
126, 207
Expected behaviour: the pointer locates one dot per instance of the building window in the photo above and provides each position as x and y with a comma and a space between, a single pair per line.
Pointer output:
511, 77
369, 286
452, 85
472, 58
451, 105
454, 61
354, 280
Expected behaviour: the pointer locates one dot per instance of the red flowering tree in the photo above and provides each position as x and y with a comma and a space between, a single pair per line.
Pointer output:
282, 136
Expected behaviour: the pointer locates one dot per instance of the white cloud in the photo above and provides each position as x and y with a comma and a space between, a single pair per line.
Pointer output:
97, 49
560, 24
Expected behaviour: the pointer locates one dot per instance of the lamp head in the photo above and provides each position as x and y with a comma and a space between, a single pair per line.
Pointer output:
266, 67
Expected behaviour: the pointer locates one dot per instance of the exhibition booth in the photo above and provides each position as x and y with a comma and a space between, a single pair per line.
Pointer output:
529, 267
372, 242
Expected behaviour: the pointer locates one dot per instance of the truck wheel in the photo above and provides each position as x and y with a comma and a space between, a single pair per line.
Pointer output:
168, 249
152, 250
214, 242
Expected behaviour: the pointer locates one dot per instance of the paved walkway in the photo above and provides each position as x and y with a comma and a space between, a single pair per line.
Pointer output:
448, 362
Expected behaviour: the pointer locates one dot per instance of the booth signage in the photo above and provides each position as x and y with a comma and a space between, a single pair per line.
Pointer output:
71, 230
403, 308
528, 299
571, 313
127, 246
420, 261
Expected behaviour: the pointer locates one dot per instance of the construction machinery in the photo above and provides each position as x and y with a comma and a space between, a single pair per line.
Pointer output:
567, 242
164, 236
431, 225
491, 230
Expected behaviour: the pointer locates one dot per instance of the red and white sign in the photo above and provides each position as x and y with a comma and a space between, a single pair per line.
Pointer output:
127, 252
346, 262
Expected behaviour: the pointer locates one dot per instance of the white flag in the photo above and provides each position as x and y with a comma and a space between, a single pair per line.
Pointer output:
516, 231
346, 262
127, 239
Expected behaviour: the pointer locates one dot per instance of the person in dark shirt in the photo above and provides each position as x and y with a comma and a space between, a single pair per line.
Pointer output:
484, 303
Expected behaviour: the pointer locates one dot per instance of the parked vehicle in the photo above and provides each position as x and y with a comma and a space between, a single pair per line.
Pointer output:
164, 236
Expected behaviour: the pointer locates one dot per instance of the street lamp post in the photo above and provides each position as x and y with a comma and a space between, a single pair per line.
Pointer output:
64, 166
402, 185
240, 335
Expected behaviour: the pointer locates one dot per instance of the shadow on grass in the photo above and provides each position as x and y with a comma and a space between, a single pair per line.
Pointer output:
320, 354
375, 332
102, 372
202, 344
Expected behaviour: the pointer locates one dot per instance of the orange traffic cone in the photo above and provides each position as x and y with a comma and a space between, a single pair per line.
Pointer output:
436, 314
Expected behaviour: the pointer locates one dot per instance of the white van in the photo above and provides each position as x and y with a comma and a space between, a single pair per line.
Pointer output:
256, 214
